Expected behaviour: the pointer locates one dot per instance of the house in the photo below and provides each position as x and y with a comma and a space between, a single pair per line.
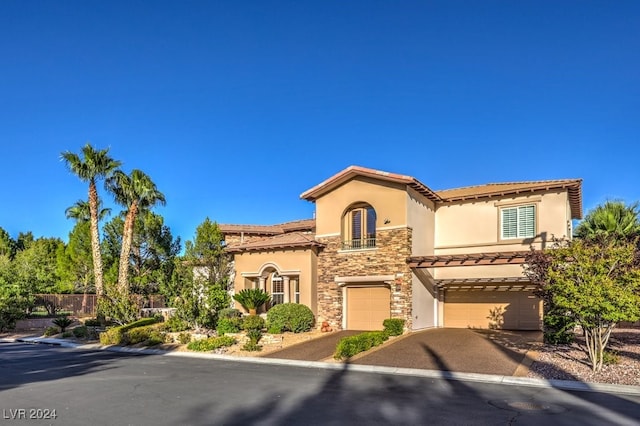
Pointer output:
385, 245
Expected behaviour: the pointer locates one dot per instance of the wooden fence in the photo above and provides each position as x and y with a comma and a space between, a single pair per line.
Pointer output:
83, 305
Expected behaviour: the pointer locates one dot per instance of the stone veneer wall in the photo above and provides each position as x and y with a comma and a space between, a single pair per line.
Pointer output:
393, 247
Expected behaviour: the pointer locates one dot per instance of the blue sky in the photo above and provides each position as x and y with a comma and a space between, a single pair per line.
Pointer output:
235, 108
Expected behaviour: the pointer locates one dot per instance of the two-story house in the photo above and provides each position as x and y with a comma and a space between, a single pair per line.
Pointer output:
384, 245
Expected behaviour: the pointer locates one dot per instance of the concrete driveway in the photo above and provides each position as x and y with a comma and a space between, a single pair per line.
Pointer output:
455, 349
313, 350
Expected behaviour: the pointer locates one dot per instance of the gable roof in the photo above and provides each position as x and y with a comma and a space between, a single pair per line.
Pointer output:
283, 241
491, 190
354, 171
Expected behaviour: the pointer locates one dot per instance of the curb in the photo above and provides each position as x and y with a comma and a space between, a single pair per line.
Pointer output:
568, 385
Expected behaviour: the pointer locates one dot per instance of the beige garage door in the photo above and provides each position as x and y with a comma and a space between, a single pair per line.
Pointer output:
509, 310
367, 307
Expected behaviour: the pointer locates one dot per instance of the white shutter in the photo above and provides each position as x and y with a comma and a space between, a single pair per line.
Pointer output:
526, 221
509, 223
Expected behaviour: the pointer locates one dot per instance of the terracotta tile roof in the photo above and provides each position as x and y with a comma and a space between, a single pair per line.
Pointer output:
353, 171
282, 241
573, 186
296, 225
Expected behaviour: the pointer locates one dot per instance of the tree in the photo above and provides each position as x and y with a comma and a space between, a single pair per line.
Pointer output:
7, 244
198, 288
81, 211
92, 166
136, 192
35, 267
612, 219
75, 264
596, 282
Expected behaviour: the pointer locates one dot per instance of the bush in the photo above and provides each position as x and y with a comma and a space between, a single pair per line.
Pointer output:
149, 335
118, 336
175, 324
63, 322
290, 317
184, 338
92, 322
229, 313
211, 343
610, 357
558, 327
229, 325
252, 344
393, 326
67, 334
50, 331
253, 322
81, 332
353, 345
252, 298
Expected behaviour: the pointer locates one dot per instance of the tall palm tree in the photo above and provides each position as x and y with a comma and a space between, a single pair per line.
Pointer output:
92, 166
612, 219
136, 192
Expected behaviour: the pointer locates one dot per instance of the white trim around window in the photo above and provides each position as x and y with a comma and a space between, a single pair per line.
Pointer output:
518, 222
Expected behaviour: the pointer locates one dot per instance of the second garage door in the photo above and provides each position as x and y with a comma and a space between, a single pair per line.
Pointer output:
367, 307
509, 310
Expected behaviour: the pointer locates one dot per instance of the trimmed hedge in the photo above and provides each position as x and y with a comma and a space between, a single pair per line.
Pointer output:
290, 317
353, 345
229, 325
393, 326
211, 343
149, 335
117, 335
253, 322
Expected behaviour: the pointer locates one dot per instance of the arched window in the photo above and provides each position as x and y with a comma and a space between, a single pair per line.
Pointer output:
359, 228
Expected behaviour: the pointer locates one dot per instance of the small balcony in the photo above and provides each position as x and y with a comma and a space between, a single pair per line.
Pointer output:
359, 244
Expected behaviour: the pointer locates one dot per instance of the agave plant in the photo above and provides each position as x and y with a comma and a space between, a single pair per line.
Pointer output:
252, 298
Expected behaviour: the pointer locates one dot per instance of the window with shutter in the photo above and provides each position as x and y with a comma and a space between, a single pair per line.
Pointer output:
359, 228
518, 222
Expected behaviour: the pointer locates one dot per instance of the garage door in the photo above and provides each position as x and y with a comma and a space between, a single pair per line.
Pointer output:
367, 307
509, 310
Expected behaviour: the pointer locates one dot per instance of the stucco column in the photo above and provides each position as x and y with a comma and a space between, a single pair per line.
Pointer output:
261, 283
287, 290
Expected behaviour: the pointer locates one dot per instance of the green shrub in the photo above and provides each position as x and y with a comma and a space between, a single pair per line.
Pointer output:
92, 322
229, 313
253, 322
229, 325
558, 327
81, 332
211, 343
184, 338
252, 345
63, 322
353, 345
175, 324
118, 335
50, 331
67, 334
274, 329
610, 357
393, 326
290, 317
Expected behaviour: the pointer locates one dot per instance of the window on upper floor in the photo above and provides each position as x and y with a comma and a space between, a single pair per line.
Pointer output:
518, 222
359, 228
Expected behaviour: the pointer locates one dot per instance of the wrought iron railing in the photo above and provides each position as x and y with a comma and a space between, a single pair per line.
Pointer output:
362, 243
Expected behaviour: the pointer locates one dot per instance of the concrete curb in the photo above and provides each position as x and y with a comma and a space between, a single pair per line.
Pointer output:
415, 372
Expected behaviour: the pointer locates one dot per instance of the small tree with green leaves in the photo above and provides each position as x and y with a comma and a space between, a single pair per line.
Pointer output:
597, 283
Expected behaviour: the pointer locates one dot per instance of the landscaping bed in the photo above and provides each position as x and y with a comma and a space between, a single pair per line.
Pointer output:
570, 362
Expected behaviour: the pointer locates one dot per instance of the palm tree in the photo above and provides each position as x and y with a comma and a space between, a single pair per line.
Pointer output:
136, 192
612, 219
92, 166
81, 212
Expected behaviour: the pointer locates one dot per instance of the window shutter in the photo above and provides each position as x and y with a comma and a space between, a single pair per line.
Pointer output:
509, 223
526, 221
356, 224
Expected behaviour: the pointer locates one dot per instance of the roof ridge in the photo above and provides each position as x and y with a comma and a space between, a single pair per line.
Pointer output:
515, 182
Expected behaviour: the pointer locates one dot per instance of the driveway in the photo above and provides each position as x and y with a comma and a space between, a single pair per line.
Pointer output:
456, 349
313, 350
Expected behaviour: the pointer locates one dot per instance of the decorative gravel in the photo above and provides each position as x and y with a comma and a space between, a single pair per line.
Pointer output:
570, 362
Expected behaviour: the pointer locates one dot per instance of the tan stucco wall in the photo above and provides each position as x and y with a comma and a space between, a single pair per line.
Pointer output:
388, 200
484, 271
421, 218
473, 227
302, 260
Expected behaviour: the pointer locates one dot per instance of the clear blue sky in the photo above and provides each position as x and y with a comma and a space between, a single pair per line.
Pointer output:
234, 108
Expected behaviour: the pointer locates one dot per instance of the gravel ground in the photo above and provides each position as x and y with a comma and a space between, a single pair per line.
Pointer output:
570, 362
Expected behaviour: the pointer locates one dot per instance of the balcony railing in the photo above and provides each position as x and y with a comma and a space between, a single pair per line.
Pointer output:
362, 243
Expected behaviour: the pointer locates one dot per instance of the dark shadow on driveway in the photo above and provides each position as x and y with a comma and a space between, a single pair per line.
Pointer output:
313, 350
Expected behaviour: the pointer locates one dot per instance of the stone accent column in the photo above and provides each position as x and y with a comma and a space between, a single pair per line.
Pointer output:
261, 283
287, 290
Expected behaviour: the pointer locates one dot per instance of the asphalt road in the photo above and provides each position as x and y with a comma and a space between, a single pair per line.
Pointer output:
108, 388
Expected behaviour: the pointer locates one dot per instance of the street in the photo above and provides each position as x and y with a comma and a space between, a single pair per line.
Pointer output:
106, 388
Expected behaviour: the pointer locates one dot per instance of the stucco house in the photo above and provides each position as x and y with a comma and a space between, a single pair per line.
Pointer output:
385, 245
